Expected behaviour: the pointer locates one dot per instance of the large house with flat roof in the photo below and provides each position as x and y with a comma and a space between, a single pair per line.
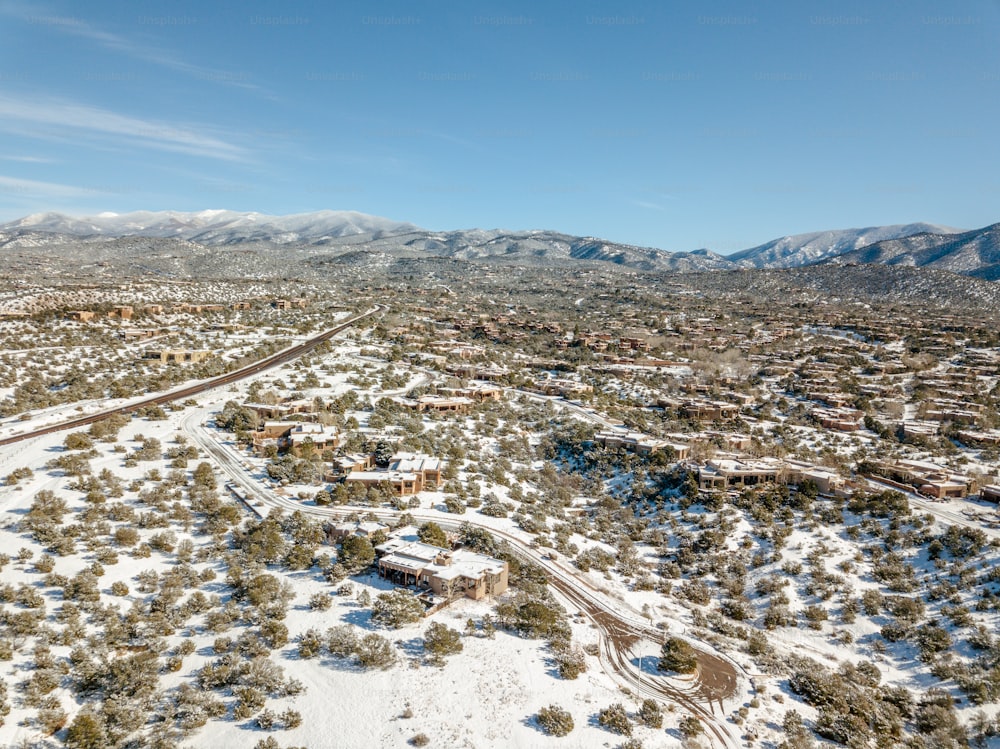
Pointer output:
407, 474
443, 572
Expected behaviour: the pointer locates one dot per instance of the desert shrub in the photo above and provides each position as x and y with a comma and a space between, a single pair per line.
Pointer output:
274, 633
265, 719
250, 700
51, 718
397, 608
342, 641
615, 718
78, 441
165, 541
571, 662
374, 651
650, 714
690, 726
126, 536
320, 601
555, 720
695, 591
310, 643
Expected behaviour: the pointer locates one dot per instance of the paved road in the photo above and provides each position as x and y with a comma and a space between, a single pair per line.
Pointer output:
559, 402
623, 629
282, 357
947, 511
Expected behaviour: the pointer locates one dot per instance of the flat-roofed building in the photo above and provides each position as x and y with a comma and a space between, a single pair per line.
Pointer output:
444, 572
178, 356
728, 473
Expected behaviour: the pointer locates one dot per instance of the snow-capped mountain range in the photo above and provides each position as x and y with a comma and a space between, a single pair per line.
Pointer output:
341, 232
970, 253
212, 227
805, 249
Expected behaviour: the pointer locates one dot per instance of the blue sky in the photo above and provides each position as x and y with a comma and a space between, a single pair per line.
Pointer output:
675, 125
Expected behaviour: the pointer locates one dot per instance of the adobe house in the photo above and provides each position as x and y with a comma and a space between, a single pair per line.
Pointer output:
436, 403
346, 464
81, 315
407, 474
122, 312
990, 493
826, 481
337, 532
839, 419
563, 387
402, 484
480, 392
322, 437
445, 573
197, 309
275, 429
178, 356
426, 466
709, 410
929, 479
285, 304
137, 334
725, 473
638, 443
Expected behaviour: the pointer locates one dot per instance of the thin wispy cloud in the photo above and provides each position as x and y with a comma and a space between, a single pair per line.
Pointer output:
143, 52
66, 118
34, 188
27, 159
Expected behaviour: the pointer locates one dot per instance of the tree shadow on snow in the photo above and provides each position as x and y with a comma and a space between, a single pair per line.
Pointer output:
360, 618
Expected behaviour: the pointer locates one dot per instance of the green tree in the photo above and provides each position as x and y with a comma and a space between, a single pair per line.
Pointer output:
440, 641
432, 533
678, 656
86, 732
397, 608
356, 554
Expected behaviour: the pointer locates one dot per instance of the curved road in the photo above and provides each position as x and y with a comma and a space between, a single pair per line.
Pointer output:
716, 680
274, 360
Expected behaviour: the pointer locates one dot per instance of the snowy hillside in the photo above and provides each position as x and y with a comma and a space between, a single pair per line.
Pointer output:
211, 227
806, 249
973, 253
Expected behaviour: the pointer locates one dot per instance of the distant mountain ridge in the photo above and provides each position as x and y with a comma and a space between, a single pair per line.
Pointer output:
210, 227
805, 249
971, 253
342, 235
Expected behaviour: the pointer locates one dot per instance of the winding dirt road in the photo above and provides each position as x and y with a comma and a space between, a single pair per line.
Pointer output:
716, 680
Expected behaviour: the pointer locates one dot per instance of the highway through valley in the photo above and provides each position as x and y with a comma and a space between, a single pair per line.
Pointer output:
274, 360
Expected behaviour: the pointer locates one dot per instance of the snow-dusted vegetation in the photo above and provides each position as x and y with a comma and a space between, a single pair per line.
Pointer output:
724, 520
